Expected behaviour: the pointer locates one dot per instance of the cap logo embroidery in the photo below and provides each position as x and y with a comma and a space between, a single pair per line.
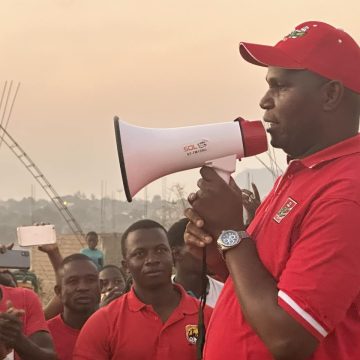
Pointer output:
192, 333
285, 210
297, 33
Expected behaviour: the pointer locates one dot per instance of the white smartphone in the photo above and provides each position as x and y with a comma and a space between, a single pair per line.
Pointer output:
36, 235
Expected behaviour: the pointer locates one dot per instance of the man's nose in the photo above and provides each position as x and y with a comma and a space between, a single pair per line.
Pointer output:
267, 101
83, 285
111, 285
152, 257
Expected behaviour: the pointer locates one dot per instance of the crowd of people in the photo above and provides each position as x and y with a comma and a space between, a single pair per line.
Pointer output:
283, 284
142, 294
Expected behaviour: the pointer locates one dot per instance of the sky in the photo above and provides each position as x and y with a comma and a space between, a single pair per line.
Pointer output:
159, 63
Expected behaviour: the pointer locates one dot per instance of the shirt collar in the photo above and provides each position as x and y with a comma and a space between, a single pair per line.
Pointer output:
135, 304
340, 149
188, 305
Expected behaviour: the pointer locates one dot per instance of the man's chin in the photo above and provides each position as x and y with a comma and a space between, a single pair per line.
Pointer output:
85, 309
275, 143
156, 283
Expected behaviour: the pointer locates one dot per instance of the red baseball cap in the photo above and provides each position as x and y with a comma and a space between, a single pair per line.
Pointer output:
313, 46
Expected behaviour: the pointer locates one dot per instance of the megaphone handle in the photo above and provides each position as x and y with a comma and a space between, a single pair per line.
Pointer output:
224, 166
225, 175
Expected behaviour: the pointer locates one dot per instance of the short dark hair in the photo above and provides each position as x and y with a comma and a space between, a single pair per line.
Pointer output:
176, 233
91, 233
111, 266
69, 259
6, 281
139, 225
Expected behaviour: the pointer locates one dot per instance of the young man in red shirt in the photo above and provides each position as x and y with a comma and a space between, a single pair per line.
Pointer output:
293, 290
156, 320
78, 289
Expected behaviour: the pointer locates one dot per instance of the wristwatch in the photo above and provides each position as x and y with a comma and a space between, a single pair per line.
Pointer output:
229, 239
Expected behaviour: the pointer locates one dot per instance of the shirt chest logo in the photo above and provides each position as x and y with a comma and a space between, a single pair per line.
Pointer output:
285, 210
192, 333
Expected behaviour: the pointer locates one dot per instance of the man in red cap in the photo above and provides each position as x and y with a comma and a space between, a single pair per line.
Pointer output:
293, 278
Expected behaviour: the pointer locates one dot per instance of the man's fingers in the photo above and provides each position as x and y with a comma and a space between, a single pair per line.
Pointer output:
9, 305
246, 192
196, 236
191, 198
193, 241
256, 191
10, 309
194, 217
115, 290
7, 338
209, 173
234, 186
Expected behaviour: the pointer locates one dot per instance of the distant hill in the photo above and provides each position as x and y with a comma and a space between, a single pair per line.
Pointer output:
107, 215
103, 216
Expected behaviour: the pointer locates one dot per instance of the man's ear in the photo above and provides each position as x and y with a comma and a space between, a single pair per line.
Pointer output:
101, 283
333, 93
177, 253
124, 265
57, 290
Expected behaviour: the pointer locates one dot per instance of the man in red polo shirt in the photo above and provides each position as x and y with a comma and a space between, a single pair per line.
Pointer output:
156, 320
78, 289
293, 290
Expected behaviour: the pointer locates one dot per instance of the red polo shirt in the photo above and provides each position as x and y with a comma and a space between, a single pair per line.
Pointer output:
21, 298
307, 236
64, 337
129, 329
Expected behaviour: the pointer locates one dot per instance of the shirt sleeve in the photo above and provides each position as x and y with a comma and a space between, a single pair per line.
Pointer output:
93, 341
34, 320
321, 279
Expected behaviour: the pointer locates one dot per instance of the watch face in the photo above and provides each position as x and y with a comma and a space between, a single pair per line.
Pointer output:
230, 238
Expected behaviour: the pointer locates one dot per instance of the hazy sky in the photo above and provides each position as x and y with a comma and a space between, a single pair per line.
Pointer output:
153, 63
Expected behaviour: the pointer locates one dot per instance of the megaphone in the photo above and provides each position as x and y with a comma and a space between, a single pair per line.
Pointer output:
147, 154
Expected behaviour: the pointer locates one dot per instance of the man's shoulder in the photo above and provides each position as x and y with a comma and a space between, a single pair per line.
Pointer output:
113, 308
55, 324
189, 304
343, 179
55, 321
99, 252
190, 307
18, 293
106, 315
91, 253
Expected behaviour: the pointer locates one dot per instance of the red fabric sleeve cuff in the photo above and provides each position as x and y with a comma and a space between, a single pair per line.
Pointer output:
301, 316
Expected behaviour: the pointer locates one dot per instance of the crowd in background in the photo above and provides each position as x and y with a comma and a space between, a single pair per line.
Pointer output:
157, 271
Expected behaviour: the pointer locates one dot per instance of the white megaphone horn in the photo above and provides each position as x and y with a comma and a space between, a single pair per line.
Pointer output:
147, 154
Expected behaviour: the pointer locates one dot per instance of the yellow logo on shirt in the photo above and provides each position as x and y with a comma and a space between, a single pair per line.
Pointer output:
192, 333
